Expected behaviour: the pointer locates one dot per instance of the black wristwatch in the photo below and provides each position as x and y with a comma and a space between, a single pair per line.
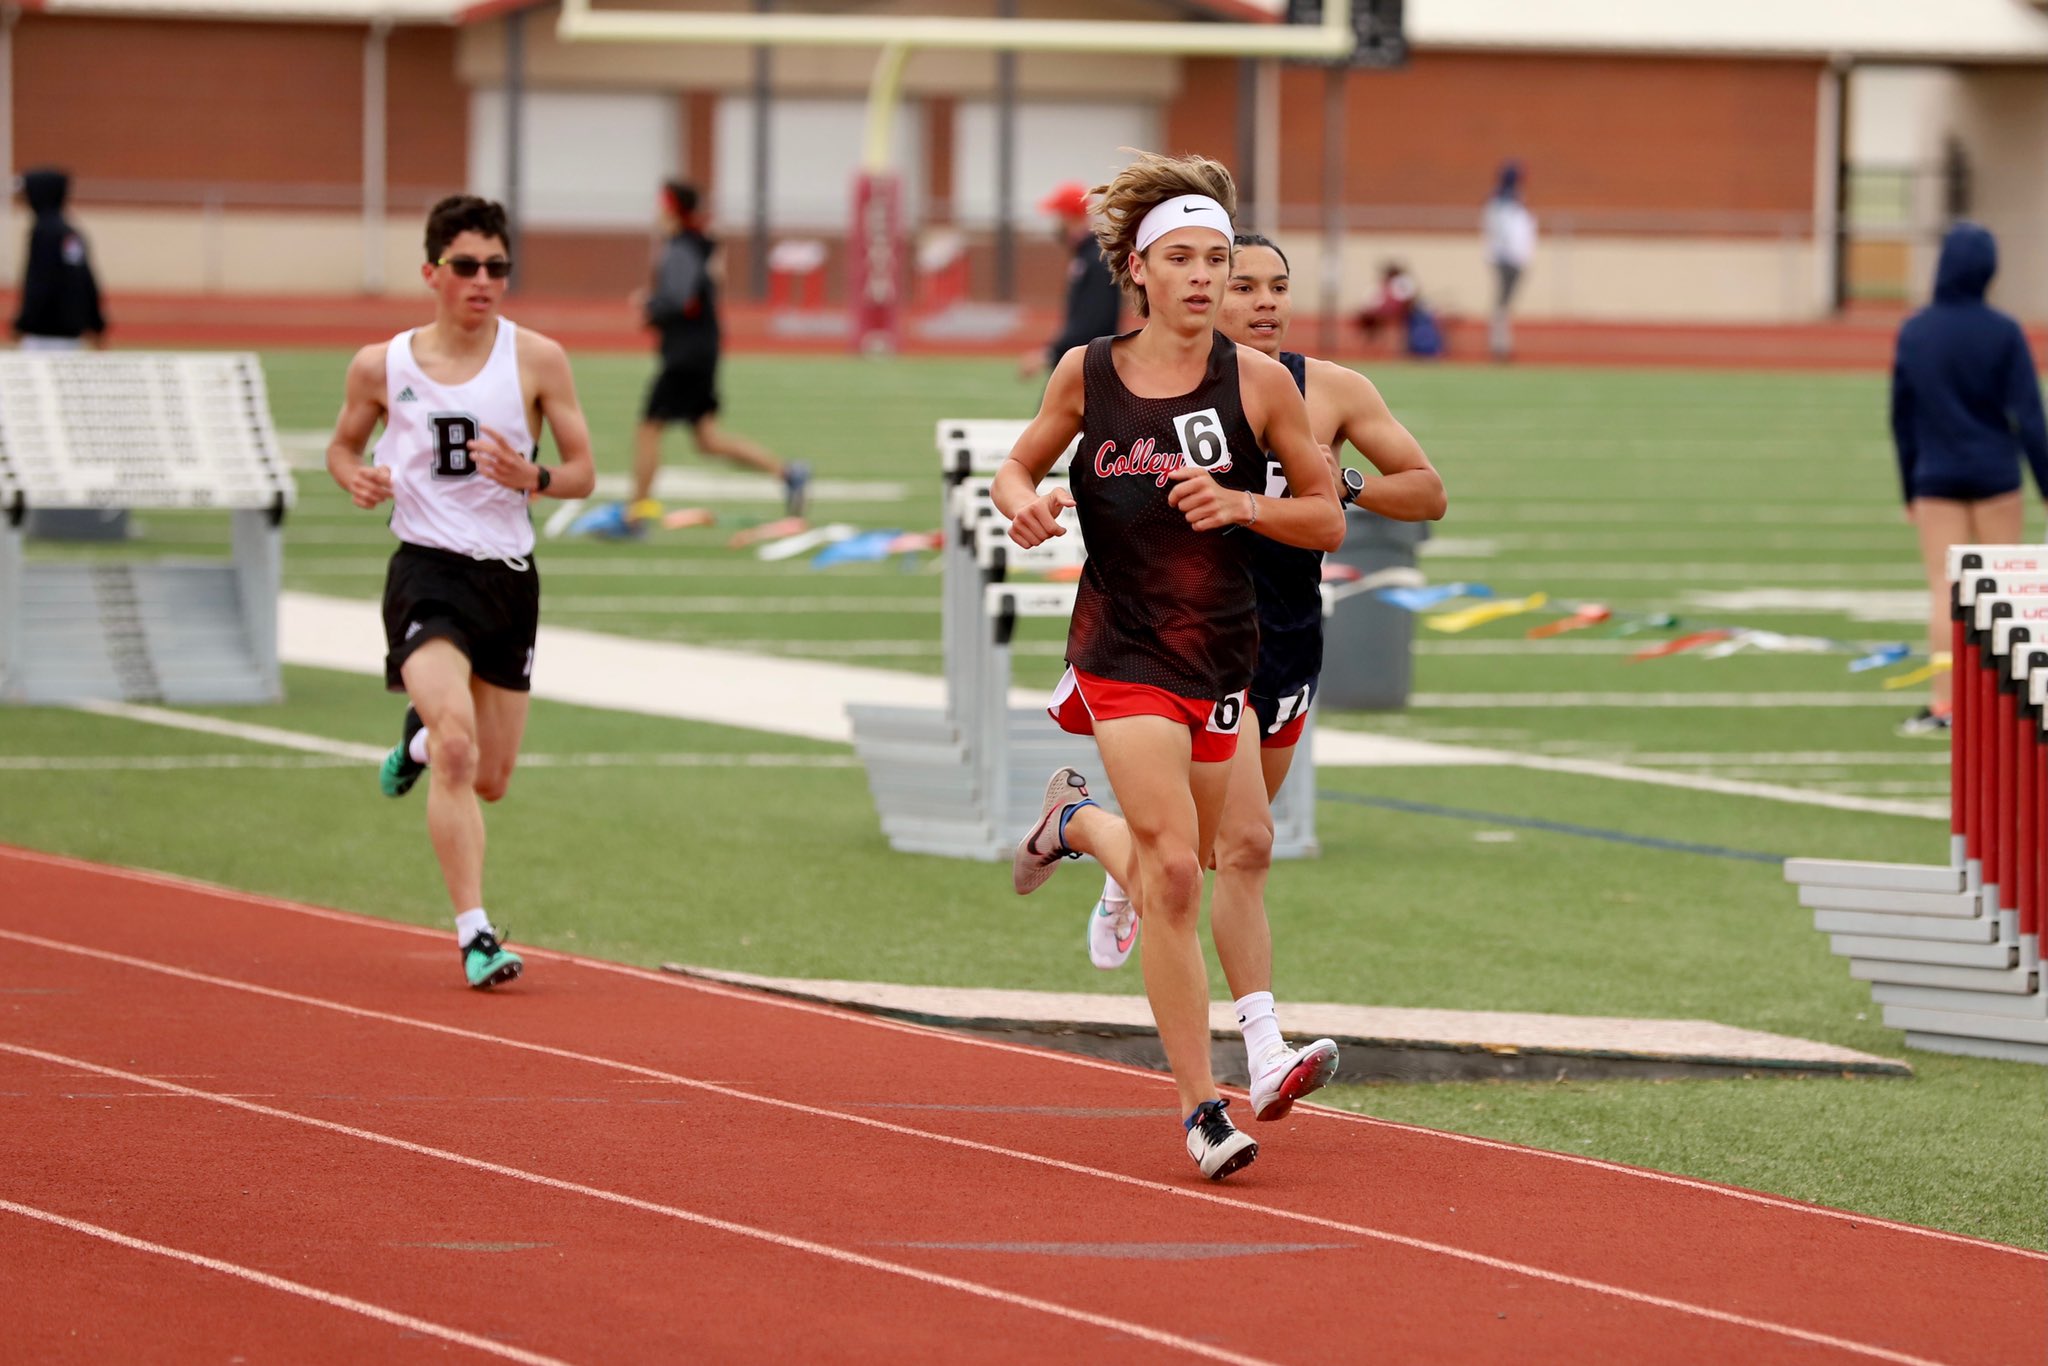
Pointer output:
545, 479
1354, 484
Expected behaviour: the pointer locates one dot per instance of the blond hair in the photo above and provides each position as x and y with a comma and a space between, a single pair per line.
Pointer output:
1140, 187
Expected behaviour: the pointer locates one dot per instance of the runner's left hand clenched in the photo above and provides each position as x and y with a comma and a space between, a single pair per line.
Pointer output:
1206, 504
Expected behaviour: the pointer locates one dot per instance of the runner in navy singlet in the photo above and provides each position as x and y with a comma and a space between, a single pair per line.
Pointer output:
1343, 406
1168, 483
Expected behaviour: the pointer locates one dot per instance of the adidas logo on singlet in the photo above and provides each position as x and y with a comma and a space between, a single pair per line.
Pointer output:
406, 395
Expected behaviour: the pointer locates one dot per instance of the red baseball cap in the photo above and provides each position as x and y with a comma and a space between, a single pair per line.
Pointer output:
1069, 199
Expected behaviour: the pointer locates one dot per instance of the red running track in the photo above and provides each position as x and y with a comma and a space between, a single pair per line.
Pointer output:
239, 1127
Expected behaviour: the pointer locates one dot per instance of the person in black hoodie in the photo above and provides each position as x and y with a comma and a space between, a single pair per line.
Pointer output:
60, 301
1966, 404
682, 306
1094, 306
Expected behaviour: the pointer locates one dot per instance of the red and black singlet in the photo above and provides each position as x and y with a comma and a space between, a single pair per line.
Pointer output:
1161, 603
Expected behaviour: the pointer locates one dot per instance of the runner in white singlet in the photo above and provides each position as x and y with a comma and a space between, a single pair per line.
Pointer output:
462, 401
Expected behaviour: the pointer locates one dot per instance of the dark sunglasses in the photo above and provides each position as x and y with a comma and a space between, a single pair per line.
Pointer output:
498, 267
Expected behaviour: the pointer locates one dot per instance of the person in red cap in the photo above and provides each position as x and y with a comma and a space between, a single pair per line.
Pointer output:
1094, 303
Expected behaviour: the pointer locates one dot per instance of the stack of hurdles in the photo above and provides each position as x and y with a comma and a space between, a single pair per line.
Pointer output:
1953, 952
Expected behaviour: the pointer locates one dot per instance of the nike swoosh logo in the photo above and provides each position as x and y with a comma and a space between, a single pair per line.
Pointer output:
1191, 208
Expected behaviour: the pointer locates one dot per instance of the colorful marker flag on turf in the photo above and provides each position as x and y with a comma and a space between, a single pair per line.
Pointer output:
1941, 663
1584, 615
1465, 618
868, 545
1883, 657
1422, 599
1680, 644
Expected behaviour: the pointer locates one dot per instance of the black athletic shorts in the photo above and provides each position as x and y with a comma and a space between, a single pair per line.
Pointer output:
486, 608
684, 392
1282, 712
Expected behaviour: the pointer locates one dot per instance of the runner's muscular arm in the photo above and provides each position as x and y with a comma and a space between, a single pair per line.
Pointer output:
546, 365
1409, 489
1034, 516
362, 408
1311, 516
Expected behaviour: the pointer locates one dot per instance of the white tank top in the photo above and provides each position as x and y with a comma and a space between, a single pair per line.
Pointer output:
439, 496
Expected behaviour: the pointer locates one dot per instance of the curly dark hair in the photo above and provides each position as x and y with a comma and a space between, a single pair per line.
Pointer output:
460, 213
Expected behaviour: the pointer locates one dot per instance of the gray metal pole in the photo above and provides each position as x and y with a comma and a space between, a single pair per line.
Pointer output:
1333, 206
8, 15
757, 266
375, 74
515, 107
1006, 165
1247, 167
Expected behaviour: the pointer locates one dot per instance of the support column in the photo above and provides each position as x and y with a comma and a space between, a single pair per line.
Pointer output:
757, 264
1332, 282
1266, 161
1006, 166
515, 110
376, 45
1247, 158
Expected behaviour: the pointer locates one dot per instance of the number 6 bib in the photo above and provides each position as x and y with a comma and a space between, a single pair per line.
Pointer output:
1202, 441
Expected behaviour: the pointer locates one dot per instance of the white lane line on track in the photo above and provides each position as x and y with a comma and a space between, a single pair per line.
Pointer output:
270, 1282
783, 1240
234, 730
932, 1032
151, 763
948, 1140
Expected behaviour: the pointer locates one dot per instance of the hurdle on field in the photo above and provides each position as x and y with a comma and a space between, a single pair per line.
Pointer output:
1953, 953
165, 431
966, 779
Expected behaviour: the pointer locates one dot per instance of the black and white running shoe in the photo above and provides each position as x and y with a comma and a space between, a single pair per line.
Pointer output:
1217, 1145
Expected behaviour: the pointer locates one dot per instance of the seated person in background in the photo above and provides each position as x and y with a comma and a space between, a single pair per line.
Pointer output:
1398, 307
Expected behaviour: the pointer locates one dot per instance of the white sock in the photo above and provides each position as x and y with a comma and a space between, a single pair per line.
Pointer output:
1261, 1028
1113, 891
417, 748
472, 923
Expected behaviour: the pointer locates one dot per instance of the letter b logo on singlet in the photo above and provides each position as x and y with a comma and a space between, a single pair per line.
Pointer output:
453, 432
1202, 440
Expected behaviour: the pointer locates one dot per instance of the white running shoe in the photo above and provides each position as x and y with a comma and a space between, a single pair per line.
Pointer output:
1290, 1074
1218, 1146
1112, 933
1040, 851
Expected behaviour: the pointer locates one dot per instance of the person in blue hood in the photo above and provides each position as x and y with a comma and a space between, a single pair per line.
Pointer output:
60, 301
1966, 405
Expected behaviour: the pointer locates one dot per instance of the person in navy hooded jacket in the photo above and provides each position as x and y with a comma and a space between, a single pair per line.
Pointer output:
60, 301
1966, 404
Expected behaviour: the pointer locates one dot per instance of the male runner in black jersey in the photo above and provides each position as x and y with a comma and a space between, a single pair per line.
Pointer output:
1173, 420
1343, 406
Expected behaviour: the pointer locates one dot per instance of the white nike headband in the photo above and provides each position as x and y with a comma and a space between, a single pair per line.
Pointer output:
1184, 211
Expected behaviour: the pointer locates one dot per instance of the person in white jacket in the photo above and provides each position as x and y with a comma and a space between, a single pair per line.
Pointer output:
1510, 231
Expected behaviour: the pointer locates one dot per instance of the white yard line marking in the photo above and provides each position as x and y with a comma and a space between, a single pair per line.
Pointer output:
1136, 1074
947, 1140
1795, 758
782, 1240
172, 763
270, 1282
235, 730
1744, 701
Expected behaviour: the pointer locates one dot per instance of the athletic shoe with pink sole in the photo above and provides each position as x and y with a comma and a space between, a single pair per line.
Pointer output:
1040, 851
1290, 1074
1112, 933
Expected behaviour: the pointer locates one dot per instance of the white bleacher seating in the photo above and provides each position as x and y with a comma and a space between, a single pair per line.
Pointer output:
91, 430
